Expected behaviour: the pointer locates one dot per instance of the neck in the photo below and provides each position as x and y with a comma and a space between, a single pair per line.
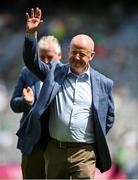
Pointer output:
79, 71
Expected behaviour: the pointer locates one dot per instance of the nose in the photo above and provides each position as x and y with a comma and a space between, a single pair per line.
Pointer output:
77, 56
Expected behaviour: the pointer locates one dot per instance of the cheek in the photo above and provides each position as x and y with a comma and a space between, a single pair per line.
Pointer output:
86, 61
70, 58
57, 57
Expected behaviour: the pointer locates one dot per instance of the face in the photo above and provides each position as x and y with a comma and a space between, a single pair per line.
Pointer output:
80, 54
46, 55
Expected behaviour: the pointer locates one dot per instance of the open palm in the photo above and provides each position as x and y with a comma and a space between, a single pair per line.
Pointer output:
33, 20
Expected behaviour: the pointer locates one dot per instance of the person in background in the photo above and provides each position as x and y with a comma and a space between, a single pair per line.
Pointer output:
80, 105
25, 95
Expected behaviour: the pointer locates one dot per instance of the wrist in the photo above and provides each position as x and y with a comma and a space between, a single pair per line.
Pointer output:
29, 102
31, 35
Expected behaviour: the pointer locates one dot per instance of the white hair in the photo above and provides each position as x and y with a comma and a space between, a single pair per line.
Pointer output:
47, 42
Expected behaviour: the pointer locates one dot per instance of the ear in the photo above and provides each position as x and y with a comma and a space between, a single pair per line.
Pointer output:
59, 55
92, 55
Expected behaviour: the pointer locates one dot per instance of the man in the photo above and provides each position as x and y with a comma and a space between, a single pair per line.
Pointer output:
80, 106
25, 95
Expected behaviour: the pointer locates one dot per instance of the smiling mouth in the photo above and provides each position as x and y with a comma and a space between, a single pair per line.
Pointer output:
79, 63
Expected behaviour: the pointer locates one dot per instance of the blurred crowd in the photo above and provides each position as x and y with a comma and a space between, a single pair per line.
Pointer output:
115, 32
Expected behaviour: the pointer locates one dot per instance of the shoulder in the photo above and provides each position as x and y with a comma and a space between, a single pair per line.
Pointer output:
27, 73
104, 79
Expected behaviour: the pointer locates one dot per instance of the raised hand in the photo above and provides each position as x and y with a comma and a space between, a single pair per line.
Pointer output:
28, 95
33, 20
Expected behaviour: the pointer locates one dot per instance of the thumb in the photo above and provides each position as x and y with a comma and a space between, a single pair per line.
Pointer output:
29, 89
41, 21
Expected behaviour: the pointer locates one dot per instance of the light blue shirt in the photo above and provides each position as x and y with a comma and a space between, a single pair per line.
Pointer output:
71, 110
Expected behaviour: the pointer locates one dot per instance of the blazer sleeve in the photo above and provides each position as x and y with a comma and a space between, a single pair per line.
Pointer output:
111, 108
31, 57
17, 102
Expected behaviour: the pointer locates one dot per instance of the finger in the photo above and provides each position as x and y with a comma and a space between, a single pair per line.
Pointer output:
32, 12
24, 91
27, 16
28, 88
38, 13
40, 22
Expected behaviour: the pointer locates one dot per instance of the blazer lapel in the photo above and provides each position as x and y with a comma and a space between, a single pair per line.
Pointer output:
59, 79
95, 81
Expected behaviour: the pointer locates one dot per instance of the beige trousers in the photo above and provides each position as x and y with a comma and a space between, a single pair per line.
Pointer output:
69, 160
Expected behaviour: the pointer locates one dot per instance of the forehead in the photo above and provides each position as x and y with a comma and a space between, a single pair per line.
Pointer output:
46, 50
81, 44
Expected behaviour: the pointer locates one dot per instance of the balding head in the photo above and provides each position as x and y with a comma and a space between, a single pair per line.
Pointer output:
81, 52
84, 41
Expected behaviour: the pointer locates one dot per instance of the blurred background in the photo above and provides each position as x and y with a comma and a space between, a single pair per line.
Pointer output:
114, 27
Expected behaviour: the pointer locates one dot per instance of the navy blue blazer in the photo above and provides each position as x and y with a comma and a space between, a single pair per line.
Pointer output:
53, 76
17, 104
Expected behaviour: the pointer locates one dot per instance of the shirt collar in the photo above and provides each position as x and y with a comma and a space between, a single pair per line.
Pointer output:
85, 75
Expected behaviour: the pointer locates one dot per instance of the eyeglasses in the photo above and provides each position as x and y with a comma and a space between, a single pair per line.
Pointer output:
81, 53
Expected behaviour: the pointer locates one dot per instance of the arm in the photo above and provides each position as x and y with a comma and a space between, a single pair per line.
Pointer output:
18, 103
111, 109
30, 50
